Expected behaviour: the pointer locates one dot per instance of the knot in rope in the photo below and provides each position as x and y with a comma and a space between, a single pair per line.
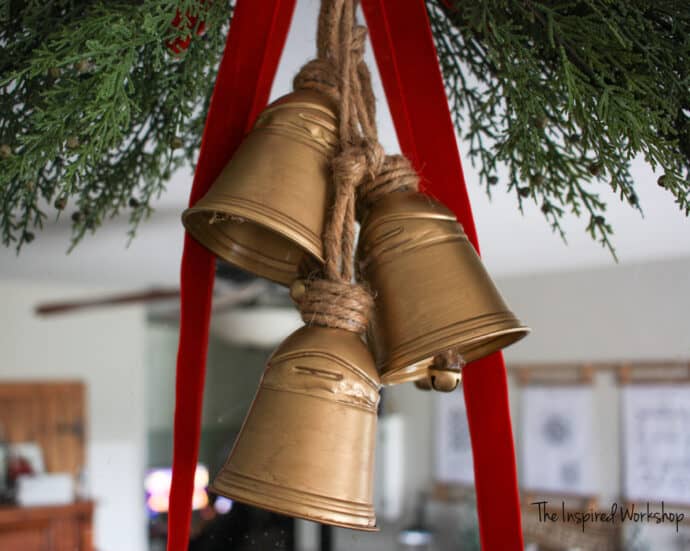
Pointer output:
320, 75
358, 164
396, 174
349, 169
375, 156
336, 304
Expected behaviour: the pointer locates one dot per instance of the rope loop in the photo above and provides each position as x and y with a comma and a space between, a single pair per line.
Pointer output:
335, 304
361, 168
321, 75
349, 168
395, 175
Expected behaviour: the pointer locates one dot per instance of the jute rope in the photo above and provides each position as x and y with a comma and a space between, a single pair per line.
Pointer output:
362, 173
334, 300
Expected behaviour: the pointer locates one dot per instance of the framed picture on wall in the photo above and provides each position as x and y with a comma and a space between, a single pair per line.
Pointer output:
656, 442
556, 431
453, 457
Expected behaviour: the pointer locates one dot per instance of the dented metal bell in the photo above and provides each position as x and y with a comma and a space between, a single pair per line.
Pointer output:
433, 294
306, 447
265, 212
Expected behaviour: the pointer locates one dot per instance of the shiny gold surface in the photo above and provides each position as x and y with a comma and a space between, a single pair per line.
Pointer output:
265, 212
306, 447
432, 291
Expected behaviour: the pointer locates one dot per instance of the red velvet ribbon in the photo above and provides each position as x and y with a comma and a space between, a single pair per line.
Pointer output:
405, 53
252, 51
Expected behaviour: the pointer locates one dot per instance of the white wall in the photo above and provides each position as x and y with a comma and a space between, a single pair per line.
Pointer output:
635, 311
105, 349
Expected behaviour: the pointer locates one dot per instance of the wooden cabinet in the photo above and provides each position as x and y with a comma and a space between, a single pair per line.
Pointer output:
51, 414
59, 528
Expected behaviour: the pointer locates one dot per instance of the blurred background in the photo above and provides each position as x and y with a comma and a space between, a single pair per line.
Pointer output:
600, 391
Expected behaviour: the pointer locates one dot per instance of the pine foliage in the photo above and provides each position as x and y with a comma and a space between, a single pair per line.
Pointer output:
565, 94
96, 112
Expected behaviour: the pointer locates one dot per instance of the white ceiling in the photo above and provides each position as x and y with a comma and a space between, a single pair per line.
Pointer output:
511, 242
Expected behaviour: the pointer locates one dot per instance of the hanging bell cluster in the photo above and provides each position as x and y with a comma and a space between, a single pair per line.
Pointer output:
306, 447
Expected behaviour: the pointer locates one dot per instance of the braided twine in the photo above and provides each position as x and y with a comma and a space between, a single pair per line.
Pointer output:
362, 172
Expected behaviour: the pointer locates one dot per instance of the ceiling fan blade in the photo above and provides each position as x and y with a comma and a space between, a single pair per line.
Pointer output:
63, 307
226, 296
230, 295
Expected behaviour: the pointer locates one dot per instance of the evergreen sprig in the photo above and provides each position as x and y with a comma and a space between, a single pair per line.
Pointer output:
565, 94
96, 112
94, 107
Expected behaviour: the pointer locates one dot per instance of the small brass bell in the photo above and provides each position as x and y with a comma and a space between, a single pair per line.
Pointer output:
265, 213
432, 291
442, 375
306, 447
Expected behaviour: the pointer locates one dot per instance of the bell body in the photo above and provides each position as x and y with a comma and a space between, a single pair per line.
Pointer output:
306, 447
432, 291
265, 212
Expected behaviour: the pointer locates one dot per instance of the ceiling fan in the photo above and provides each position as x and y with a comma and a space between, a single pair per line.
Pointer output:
247, 310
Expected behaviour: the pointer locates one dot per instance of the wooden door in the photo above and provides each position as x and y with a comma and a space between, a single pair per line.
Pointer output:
51, 414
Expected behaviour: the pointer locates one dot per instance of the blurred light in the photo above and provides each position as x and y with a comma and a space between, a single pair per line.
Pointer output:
223, 505
158, 503
158, 481
199, 499
201, 477
414, 537
157, 485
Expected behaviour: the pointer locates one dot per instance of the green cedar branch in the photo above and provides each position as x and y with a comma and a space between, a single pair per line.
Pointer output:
95, 111
565, 94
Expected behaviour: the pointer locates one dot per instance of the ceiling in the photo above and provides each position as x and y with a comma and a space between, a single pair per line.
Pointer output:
511, 242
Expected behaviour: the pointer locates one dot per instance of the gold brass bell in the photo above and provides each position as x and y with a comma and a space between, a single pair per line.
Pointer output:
265, 213
432, 291
306, 447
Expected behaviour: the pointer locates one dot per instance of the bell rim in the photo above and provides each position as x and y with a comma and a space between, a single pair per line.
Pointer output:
270, 490
402, 370
274, 221
231, 251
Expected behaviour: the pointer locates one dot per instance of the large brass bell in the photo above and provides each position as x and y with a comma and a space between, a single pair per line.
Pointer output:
265, 213
433, 294
306, 447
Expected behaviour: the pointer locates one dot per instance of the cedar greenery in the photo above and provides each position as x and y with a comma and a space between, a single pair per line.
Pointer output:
96, 112
565, 93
